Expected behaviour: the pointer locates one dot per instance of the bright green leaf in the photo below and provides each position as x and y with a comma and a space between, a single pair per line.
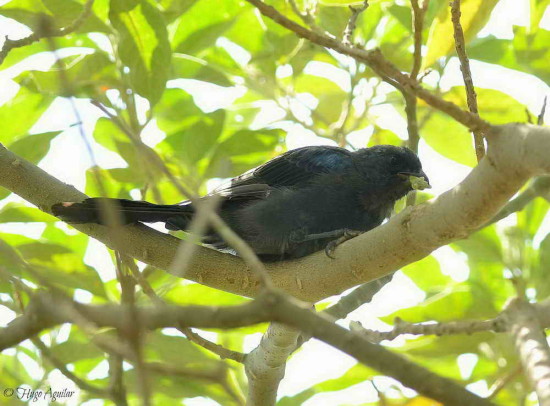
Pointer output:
143, 45
20, 113
33, 147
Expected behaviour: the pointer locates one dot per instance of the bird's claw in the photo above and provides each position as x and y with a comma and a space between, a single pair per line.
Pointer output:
330, 248
332, 245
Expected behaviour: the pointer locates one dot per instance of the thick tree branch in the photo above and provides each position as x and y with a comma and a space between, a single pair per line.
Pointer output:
47, 310
516, 153
265, 366
531, 344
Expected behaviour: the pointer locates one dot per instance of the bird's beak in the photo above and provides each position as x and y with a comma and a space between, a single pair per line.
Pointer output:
419, 180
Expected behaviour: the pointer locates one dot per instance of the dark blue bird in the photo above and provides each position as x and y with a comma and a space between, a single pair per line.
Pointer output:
297, 203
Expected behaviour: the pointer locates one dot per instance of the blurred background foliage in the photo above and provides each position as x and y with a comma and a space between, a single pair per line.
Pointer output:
160, 70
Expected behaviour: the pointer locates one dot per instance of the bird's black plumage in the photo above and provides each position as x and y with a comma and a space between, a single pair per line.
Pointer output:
291, 206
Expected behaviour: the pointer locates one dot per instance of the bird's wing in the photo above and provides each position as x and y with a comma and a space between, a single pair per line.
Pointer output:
293, 168
297, 167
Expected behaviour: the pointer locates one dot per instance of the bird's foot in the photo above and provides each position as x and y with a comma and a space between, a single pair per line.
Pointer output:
346, 235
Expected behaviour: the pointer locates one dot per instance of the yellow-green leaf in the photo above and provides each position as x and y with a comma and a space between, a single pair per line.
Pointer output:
475, 14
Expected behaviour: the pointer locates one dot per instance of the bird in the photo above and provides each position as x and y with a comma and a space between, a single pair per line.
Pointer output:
303, 201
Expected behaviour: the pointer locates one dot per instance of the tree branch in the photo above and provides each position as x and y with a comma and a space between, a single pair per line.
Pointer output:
471, 97
46, 32
516, 153
350, 27
46, 310
531, 344
378, 64
265, 365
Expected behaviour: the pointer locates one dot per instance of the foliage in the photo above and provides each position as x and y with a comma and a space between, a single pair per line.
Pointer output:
159, 68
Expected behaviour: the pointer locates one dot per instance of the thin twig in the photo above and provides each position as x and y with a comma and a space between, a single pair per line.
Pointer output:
197, 229
471, 96
411, 104
540, 117
117, 389
10, 44
221, 351
418, 13
134, 335
503, 381
454, 327
242, 248
377, 62
49, 355
361, 295
306, 16
62, 367
352, 23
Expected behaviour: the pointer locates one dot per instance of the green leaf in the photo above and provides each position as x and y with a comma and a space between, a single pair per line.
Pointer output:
85, 76
448, 305
532, 216
481, 247
74, 350
196, 294
20, 113
18, 213
175, 8
331, 97
356, 374
402, 14
456, 143
193, 68
60, 13
16, 55
139, 158
532, 52
493, 105
196, 142
427, 275
475, 13
143, 45
176, 111
540, 272
33, 147
382, 136
203, 38
212, 22
243, 150
247, 31
178, 351
11, 259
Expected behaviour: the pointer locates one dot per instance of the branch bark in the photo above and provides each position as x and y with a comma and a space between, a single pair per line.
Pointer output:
532, 346
46, 310
471, 96
265, 365
516, 153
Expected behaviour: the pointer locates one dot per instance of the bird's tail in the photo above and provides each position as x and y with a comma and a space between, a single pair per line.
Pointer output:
97, 210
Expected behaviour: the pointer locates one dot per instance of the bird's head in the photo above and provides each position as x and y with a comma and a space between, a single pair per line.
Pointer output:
392, 167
